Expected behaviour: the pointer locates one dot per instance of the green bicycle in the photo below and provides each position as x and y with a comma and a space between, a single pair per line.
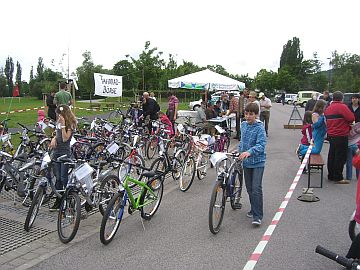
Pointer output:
147, 202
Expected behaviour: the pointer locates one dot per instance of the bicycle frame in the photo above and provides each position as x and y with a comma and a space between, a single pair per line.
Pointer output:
135, 202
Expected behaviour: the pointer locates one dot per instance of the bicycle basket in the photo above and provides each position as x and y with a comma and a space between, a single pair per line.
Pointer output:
202, 145
217, 157
83, 174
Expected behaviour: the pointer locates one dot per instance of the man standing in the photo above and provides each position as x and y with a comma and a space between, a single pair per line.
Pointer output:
338, 121
63, 97
150, 107
326, 97
234, 108
311, 102
51, 105
265, 105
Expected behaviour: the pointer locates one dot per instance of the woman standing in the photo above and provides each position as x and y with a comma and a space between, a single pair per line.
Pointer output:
65, 126
172, 110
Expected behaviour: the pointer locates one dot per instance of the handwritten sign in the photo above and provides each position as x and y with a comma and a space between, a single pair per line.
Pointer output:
108, 85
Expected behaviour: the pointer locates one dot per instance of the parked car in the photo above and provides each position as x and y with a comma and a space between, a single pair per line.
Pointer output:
290, 98
304, 96
214, 97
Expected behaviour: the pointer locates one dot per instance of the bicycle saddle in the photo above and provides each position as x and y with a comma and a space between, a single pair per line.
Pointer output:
149, 174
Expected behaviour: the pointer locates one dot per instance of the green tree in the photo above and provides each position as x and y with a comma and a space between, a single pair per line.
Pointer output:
3, 90
344, 81
266, 81
130, 76
9, 73
40, 70
292, 57
286, 81
85, 74
18, 76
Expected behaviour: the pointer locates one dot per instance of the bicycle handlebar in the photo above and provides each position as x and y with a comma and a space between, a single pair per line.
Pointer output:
348, 263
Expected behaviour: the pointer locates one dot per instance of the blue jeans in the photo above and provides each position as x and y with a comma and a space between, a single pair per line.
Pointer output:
349, 168
253, 181
61, 174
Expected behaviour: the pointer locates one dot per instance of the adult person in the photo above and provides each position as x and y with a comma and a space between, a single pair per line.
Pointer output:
217, 108
152, 95
65, 126
224, 102
311, 102
354, 107
265, 105
200, 119
252, 152
234, 108
252, 99
338, 121
326, 97
283, 98
63, 97
173, 105
150, 108
51, 105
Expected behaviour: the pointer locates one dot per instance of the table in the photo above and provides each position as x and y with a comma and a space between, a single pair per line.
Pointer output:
219, 120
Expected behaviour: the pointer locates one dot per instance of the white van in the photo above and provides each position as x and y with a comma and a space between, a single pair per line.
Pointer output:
290, 98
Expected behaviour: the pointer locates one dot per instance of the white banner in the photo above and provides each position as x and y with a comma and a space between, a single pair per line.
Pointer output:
108, 85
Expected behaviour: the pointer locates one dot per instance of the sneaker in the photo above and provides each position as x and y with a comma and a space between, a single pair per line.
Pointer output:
256, 222
249, 215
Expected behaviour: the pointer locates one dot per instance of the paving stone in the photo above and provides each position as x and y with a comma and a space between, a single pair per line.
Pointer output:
18, 262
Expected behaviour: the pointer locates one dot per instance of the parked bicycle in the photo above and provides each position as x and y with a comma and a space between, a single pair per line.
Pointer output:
229, 184
147, 201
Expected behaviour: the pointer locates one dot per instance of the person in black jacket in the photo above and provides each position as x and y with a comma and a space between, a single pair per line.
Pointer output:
51, 105
150, 108
311, 102
354, 106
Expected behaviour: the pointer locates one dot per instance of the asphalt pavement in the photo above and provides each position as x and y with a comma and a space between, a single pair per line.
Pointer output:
177, 237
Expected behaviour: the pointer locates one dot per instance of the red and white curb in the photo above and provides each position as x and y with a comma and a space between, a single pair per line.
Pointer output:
255, 256
24, 110
98, 110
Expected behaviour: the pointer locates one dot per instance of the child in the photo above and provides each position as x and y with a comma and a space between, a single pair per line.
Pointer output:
318, 129
354, 251
354, 138
166, 121
306, 131
135, 114
252, 149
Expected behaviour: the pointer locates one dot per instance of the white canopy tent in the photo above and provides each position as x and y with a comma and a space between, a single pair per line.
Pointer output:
206, 80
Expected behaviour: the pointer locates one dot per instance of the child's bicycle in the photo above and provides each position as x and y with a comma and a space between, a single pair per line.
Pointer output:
229, 184
147, 201
347, 263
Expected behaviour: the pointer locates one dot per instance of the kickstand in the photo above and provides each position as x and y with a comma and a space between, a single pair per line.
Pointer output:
142, 223
14, 199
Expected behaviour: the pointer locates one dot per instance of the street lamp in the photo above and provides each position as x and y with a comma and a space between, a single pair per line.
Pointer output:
329, 73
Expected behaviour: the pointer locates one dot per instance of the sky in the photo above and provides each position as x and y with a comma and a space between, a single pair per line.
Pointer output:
242, 36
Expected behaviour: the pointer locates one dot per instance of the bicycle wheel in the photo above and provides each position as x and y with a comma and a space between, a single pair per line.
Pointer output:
235, 187
96, 152
202, 167
111, 220
216, 207
354, 229
181, 155
188, 174
69, 217
44, 145
227, 143
151, 201
108, 187
177, 169
158, 165
34, 208
130, 167
116, 117
152, 147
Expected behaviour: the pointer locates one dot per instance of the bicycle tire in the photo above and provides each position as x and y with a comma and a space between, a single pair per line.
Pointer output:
75, 208
95, 152
353, 230
201, 172
115, 116
114, 212
135, 172
217, 192
108, 187
159, 165
157, 186
34, 208
152, 147
236, 182
188, 176
177, 169
181, 155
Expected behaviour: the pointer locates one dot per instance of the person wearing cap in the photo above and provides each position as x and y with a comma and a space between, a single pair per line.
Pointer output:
265, 105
